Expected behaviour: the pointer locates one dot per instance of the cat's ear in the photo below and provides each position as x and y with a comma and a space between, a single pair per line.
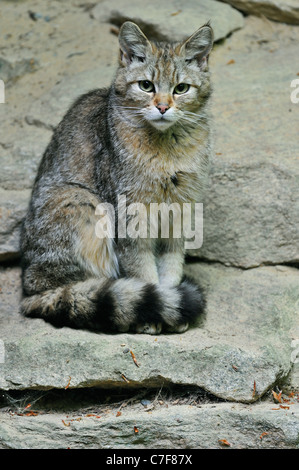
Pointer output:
133, 43
198, 46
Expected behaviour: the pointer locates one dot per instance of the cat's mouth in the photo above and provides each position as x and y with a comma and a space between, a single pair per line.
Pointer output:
158, 120
162, 123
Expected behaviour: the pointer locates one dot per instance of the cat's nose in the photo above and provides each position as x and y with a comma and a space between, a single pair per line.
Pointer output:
162, 107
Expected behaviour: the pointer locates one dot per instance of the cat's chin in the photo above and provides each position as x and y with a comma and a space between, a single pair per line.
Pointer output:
161, 124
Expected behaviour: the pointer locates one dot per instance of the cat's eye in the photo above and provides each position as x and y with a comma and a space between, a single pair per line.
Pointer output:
146, 85
181, 88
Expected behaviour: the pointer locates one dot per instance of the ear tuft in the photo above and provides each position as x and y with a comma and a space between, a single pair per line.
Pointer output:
199, 45
133, 43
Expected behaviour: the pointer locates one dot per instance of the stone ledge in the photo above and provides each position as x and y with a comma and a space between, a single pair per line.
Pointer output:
240, 349
261, 426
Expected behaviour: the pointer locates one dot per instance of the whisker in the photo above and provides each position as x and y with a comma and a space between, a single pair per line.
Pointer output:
195, 114
127, 107
196, 122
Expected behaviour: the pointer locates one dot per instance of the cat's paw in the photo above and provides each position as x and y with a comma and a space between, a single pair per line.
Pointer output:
149, 328
178, 328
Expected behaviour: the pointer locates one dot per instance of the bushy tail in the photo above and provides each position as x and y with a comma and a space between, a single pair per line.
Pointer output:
118, 305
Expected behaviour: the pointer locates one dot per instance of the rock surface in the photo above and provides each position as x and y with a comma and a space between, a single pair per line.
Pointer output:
239, 352
47, 111
286, 11
171, 20
11, 71
246, 346
245, 338
252, 206
174, 427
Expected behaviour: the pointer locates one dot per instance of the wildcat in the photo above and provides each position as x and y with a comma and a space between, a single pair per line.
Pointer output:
146, 137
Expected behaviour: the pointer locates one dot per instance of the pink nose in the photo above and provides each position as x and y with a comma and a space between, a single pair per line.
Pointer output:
162, 107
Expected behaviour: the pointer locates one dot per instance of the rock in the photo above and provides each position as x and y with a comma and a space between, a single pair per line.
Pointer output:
20, 153
173, 21
49, 109
172, 427
251, 211
245, 338
12, 70
286, 11
13, 208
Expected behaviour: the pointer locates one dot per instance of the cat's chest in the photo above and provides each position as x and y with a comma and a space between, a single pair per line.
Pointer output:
164, 181
157, 169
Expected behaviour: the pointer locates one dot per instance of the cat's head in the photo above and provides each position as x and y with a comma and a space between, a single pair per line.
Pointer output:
161, 83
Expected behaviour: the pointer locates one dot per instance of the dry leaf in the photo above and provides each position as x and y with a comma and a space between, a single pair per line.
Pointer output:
176, 13
224, 442
114, 30
68, 384
31, 413
254, 389
134, 358
125, 378
277, 396
284, 407
231, 62
118, 413
66, 424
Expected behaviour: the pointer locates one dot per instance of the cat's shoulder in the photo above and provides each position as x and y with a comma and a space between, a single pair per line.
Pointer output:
96, 96
88, 105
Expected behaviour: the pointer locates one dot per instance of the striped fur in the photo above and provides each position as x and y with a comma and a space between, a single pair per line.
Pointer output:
113, 142
118, 305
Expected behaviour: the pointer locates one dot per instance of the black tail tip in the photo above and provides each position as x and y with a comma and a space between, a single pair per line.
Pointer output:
193, 300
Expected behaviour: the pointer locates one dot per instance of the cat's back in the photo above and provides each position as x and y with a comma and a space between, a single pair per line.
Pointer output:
80, 136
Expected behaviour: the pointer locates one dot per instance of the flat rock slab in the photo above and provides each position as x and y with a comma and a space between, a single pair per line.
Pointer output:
13, 207
243, 340
286, 11
20, 153
47, 111
171, 20
261, 426
10, 71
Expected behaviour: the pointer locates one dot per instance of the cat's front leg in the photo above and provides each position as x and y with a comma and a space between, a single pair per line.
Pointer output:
137, 259
171, 262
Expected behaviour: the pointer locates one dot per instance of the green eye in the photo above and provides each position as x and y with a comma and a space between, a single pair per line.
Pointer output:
181, 88
146, 85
